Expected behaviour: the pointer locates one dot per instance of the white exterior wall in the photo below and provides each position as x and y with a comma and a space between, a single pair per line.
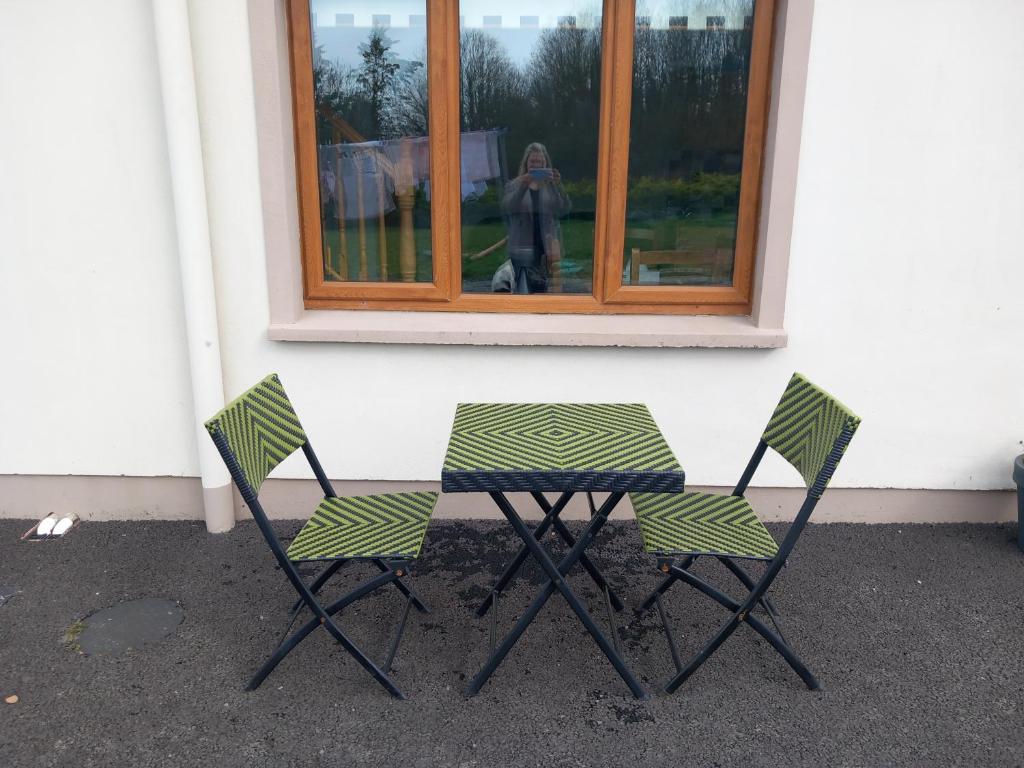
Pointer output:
904, 293
92, 335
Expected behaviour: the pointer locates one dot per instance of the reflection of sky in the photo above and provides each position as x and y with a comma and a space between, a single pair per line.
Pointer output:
341, 42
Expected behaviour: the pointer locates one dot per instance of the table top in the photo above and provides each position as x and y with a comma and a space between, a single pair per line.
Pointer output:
558, 447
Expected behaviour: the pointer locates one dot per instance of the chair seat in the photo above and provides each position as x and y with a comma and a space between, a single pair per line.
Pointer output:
701, 524
379, 526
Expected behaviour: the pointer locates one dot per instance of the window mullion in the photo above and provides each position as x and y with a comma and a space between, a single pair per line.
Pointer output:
613, 168
443, 94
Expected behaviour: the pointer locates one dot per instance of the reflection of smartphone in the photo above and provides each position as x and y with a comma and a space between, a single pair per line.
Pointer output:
541, 173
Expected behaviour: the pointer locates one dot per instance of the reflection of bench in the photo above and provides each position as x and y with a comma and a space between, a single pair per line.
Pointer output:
714, 262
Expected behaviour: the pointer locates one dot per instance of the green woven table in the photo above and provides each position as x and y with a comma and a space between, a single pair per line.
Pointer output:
558, 447
614, 448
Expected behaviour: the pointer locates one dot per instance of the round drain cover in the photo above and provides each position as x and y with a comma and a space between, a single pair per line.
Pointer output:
128, 625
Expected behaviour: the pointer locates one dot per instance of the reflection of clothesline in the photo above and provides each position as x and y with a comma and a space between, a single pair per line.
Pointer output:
352, 177
365, 176
480, 155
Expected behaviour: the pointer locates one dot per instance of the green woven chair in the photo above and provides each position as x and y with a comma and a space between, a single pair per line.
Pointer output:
811, 430
254, 434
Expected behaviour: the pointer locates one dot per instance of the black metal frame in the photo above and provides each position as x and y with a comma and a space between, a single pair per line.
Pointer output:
393, 570
742, 610
556, 582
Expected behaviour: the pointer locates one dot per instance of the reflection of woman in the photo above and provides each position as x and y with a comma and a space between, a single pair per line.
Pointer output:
533, 203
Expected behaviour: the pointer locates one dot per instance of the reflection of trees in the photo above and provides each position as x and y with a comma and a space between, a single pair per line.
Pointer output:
377, 73
336, 93
554, 98
384, 97
412, 106
689, 99
564, 85
688, 108
491, 85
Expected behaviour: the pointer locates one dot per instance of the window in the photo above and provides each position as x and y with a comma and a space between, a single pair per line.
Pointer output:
555, 157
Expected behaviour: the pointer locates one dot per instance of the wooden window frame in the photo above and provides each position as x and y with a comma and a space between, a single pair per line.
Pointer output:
444, 292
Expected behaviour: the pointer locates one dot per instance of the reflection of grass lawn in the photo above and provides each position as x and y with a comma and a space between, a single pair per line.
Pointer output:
392, 241
711, 231
578, 239
577, 236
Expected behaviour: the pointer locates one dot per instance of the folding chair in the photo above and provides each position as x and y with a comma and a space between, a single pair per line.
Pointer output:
810, 429
254, 434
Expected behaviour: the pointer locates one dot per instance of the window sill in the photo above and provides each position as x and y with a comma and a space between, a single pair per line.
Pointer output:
491, 329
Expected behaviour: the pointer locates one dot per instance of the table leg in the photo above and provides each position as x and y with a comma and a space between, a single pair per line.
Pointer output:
551, 518
551, 514
585, 561
555, 574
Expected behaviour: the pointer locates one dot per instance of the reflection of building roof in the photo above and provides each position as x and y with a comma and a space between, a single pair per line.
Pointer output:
496, 21
341, 41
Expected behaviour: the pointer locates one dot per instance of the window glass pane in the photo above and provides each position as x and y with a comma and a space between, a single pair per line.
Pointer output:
530, 96
690, 69
370, 88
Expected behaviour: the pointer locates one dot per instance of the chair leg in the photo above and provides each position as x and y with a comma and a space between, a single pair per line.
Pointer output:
667, 582
363, 660
780, 645
661, 589
331, 569
776, 641
319, 581
404, 588
723, 634
748, 582
283, 649
398, 636
286, 647
314, 588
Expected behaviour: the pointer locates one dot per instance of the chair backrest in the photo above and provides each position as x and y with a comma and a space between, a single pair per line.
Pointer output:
810, 429
261, 430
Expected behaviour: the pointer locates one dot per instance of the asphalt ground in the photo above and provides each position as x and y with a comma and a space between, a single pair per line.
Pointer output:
915, 631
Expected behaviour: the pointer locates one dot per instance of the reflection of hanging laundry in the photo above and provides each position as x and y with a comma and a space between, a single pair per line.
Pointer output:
417, 167
366, 175
473, 188
479, 156
365, 188
383, 168
357, 176
480, 161
328, 187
